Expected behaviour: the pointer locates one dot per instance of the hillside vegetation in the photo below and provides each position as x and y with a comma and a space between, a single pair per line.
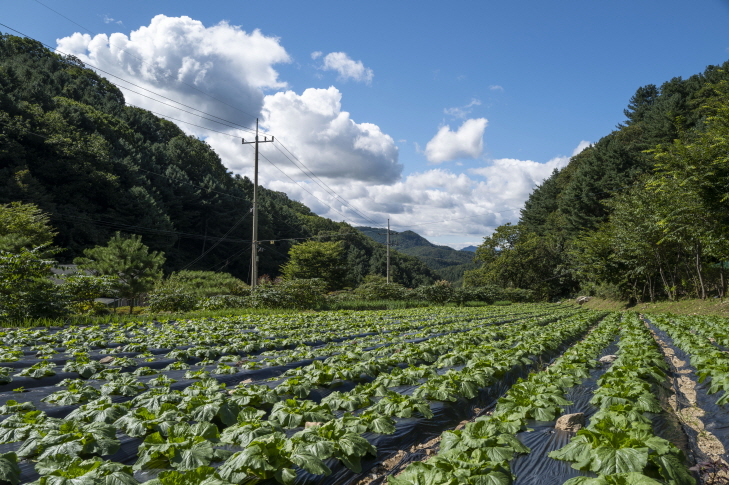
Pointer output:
70, 145
449, 263
639, 215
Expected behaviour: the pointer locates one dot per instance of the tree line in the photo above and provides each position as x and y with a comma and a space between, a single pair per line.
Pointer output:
640, 215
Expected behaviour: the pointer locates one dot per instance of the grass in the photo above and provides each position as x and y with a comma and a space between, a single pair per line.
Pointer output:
680, 307
139, 314
125, 317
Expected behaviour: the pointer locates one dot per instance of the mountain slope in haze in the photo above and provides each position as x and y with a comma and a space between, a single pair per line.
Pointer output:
70, 145
449, 263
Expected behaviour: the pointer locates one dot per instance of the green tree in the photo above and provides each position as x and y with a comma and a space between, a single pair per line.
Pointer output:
24, 226
314, 259
375, 287
203, 284
439, 292
136, 268
26, 289
82, 289
515, 258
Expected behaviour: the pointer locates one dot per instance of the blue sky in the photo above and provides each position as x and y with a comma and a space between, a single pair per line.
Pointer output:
440, 116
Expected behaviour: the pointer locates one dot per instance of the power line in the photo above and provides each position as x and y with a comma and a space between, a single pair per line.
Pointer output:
97, 222
146, 63
241, 127
167, 117
217, 243
307, 171
229, 124
145, 170
304, 188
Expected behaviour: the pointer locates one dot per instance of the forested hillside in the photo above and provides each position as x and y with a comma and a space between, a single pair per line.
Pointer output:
449, 263
70, 145
641, 214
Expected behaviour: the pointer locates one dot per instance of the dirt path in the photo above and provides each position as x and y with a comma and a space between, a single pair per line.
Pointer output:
683, 402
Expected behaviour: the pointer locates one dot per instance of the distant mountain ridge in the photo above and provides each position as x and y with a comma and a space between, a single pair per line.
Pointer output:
470, 249
444, 260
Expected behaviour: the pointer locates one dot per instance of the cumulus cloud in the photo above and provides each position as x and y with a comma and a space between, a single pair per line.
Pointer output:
316, 54
583, 144
328, 141
462, 111
515, 179
466, 142
345, 67
437, 202
179, 57
496, 87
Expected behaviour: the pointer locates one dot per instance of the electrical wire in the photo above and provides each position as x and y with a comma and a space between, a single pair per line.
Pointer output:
101, 223
144, 62
145, 170
217, 243
224, 122
232, 123
302, 187
308, 172
169, 118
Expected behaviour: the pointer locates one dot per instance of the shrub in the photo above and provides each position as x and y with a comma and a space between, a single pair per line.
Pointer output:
168, 299
438, 293
223, 302
82, 289
517, 295
303, 293
203, 284
268, 295
294, 293
26, 289
375, 287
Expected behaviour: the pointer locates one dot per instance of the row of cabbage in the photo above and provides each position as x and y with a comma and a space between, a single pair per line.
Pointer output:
182, 429
698, 336
619, 445
481, 451
75, 348
251, 392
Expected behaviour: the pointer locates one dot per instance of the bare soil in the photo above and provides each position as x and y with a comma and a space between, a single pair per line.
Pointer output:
683, 403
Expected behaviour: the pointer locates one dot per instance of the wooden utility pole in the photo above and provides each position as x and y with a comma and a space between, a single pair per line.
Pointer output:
387, 244
388, 251
254, 241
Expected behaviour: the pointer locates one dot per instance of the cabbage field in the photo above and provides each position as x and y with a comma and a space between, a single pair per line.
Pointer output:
407, 397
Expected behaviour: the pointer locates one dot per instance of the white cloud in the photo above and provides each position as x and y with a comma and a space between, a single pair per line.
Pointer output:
583, 144
515, 179
179, 57
346, 67
436, 203
327, 140
466, 142
462, 111
496, 87
109, 20
316, 54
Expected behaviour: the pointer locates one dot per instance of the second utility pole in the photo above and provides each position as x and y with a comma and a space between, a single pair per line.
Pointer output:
254, 246
388, 251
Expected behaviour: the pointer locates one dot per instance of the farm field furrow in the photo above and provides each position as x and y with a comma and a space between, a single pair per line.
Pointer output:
311, 398
483, 448
620, 443
200, 413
